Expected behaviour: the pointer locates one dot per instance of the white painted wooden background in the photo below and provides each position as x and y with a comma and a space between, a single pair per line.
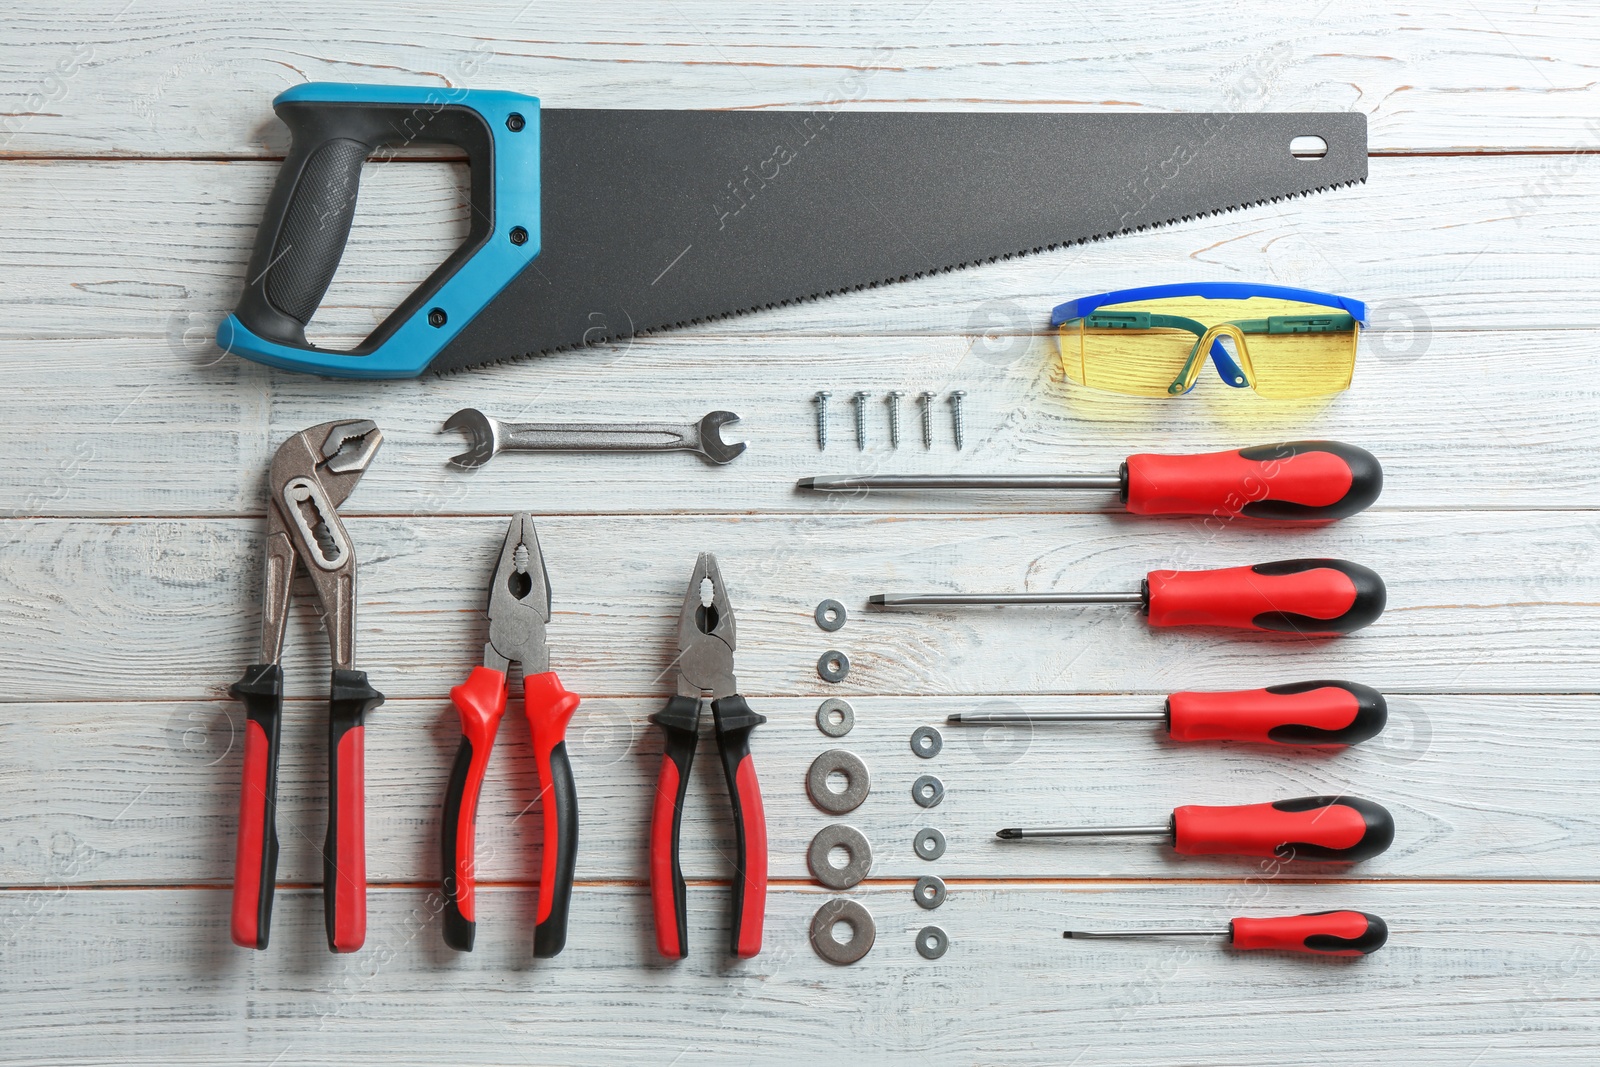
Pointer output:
136, 149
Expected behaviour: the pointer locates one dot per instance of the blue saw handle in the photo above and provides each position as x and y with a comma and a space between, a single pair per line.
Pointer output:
335, 128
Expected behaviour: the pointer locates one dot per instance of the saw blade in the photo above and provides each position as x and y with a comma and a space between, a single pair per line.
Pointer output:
659, 219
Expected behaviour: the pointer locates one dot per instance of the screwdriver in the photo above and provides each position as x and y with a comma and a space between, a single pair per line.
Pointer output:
1296, 481
1301, 713
1302, 596
1321, 933
1310, 828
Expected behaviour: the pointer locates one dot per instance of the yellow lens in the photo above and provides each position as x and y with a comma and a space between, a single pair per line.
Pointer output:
1146, 347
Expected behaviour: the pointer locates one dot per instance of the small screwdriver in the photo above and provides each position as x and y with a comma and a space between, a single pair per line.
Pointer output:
1302, 713
1302, 596
1321, 933
1296, 481
1310, 828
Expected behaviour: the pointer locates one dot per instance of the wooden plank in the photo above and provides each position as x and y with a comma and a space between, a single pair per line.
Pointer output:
1472, 974
165, 609
1479, 243
181, 79
110, 792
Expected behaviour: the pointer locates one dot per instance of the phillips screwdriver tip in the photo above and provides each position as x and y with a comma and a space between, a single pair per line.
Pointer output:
1008, 834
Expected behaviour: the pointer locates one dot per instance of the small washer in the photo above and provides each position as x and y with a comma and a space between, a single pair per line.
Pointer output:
858, 783
929, 843
932, 942
833, 665
928, 892
927, 791
862, 931
831, 707
926, 741
852, 841
830, 615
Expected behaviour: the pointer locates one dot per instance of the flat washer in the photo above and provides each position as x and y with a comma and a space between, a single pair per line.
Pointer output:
830, 615
863, 931
926, 741
825, 714
833, 665
927, 791
929, 843
852, 841
857, 785
932, 942
928, 892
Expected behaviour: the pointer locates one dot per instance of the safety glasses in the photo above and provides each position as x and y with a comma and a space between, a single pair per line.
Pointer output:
1286, 344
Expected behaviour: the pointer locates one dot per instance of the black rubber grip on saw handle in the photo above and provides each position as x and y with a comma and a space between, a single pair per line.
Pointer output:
307, 218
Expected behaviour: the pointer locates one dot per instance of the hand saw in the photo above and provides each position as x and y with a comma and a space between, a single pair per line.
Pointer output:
591, 225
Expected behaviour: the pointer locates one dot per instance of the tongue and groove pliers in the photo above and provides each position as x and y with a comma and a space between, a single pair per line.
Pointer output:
519, 608
312, 473
706, 643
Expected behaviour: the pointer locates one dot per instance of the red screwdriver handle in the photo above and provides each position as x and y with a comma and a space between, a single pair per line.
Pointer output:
1297, 481
1310, 828
1323, 933
481, 702
1318, 597
255, 862
1304, 713
549, 707
734, 721
344, 851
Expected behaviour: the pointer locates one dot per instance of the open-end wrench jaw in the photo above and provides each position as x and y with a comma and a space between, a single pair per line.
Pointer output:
712, 446
483, 437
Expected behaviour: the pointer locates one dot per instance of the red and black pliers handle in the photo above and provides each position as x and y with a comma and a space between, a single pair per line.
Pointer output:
680, 721
481, 702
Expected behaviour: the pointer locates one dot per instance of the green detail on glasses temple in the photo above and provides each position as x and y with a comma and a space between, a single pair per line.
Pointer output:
1283, 343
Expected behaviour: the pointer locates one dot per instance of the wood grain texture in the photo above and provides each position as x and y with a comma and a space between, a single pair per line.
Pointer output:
183, 78
1504, 983
165, 609
137, 147
1475, 783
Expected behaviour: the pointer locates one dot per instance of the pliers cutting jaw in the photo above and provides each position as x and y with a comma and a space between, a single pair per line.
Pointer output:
519, 610
706, 643
312, 473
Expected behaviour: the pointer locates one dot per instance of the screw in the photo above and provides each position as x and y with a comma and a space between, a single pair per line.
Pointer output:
861, 419
894, 416
437, 317
927, 419
822, 419
955, 413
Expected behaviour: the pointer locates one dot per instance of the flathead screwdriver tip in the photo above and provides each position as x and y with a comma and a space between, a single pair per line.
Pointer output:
805, 483
876, 598
953, 718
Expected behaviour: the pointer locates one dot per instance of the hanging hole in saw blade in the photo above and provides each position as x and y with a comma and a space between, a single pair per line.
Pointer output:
412, 213
1308, 146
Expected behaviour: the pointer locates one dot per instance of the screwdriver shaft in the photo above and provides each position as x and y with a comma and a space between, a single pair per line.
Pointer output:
844, 482
907, 600
1087, 934
1002, 717
1017, 833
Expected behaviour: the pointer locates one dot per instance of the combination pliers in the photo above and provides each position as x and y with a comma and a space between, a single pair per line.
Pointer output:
312, 473
519, 608
706, 643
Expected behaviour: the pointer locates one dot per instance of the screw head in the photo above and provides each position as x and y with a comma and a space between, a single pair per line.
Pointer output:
897, 393
957, 394
822, 394
437, 317
515, 122
519, 236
